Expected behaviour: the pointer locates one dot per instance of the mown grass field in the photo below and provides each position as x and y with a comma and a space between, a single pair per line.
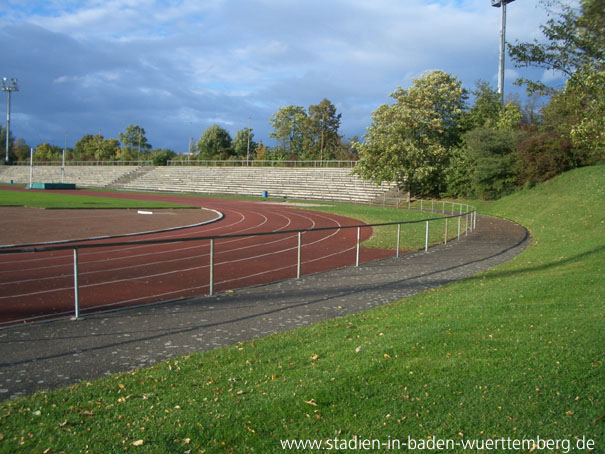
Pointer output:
51, 200
512, 353
412, 235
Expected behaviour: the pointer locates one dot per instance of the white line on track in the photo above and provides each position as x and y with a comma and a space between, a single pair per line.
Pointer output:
185, 270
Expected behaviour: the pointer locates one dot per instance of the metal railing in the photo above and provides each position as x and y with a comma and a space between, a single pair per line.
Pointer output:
261, 163
83, 163
447, 210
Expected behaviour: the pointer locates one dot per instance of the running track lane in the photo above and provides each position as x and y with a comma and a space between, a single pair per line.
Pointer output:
40, 285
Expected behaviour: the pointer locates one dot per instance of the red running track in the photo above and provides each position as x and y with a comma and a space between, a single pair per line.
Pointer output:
41, 285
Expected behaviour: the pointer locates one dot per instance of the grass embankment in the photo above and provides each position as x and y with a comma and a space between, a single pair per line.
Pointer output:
68, 201
515, 352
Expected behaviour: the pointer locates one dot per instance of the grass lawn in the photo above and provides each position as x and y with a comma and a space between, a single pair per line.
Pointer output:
515, 352
412, 236
73, 201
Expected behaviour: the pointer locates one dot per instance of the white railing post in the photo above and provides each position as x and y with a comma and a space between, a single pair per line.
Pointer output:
357, 252
298, 259
445, 237
398, 239
211, 291
76, 287
459, 226
426, 240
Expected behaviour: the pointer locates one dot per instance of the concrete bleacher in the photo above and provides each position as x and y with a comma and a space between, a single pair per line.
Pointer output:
336, 184
82, 176
296, 183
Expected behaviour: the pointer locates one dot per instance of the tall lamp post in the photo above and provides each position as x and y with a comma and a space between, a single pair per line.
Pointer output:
8, 85
502, 5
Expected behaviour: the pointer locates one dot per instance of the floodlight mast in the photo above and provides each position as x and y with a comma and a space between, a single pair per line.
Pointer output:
8, 85
502, 5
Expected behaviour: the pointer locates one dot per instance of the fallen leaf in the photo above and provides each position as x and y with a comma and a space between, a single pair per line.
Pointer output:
311, 402
137, 443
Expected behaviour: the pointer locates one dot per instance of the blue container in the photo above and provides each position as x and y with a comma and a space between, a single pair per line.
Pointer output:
265, 194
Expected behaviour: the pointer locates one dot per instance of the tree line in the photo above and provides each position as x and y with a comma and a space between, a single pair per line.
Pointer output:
300, 134
432, 143
430, 139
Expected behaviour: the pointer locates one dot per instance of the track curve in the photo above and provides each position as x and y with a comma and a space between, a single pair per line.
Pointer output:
35, 286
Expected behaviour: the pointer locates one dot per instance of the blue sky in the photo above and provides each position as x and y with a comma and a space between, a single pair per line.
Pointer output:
175, 67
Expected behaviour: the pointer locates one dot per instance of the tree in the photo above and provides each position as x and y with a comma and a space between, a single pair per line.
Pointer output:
161, 156
215, 144
289, 129
19, 151
494, 162
488, 111
323, 124
486, 106
46, 152
575, 40
134, 139
409, 142
586, 93
244, 143
575, 47
97, 147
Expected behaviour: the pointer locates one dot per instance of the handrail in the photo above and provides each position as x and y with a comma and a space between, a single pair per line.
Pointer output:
12, 249
261, 163
83, 163
76, 245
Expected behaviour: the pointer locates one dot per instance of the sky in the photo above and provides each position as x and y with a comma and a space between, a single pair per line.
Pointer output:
175, 67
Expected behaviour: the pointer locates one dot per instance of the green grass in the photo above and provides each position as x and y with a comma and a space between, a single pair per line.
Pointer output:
66, 201
515, 352
412, 236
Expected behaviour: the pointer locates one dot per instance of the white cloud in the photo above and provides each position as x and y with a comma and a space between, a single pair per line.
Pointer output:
165, 63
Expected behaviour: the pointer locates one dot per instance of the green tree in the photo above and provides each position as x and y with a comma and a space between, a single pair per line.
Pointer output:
575, 46
575, 39
244, 142
323, 125
409, 142
486, 107
290, 125
492, 155
161, 156
215, 144
46, 152
20, 151
134, 139
585, 91
96, 147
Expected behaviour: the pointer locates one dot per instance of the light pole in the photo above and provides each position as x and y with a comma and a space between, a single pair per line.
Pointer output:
502, 4
8, 85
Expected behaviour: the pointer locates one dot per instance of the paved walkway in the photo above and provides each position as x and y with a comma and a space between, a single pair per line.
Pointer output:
62, 352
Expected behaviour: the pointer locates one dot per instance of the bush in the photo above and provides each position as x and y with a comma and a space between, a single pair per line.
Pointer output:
496, 162
544, 156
